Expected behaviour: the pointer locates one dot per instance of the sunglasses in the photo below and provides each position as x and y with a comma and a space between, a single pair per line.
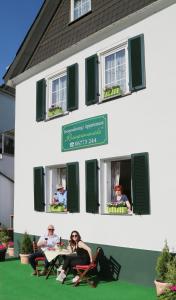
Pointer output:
74, 235
50, 229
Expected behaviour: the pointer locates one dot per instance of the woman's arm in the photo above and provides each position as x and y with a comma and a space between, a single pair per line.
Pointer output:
81, 244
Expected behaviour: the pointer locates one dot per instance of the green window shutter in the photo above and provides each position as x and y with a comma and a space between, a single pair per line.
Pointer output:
91, 79
39, 201
92, 201
72, 87
136, 63
140, 183
40, 100
73, 187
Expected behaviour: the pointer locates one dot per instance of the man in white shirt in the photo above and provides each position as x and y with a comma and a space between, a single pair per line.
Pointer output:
47, 240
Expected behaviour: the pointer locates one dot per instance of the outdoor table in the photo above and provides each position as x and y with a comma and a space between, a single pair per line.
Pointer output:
52, 254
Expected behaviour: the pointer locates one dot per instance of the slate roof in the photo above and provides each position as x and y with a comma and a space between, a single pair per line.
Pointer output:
52, 31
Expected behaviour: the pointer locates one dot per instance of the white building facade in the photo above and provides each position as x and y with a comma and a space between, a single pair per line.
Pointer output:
116, 85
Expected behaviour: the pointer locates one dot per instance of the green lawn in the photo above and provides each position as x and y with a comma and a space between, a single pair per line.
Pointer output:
17, 283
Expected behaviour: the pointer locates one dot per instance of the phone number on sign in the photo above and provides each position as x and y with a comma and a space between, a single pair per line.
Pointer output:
83, 142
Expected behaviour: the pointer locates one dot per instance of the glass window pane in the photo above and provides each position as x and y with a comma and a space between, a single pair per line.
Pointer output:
9, 144
55, 84
81, 7
59, 92
115, 70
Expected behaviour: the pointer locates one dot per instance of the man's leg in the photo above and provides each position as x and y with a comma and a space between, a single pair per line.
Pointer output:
32, 258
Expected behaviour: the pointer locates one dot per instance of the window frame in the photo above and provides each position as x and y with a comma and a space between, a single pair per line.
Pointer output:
7, 135
50, 185
72, 18
104, 183
49, 81
102, 55
1, 143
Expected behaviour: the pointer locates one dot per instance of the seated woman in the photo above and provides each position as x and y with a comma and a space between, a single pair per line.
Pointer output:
120, 197
83, 255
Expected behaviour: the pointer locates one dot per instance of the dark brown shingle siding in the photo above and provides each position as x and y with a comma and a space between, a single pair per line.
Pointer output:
57, 34
61, 35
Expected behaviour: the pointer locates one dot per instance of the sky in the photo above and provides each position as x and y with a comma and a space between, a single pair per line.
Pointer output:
16, 17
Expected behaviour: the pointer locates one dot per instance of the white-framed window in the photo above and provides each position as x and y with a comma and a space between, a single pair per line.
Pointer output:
57, 95
115, 172
79, 8
56, 199
114, 72
7, 142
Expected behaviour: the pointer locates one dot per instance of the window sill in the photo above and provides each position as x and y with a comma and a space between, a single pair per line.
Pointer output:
113, 98
58, 212
76, 20
117, 214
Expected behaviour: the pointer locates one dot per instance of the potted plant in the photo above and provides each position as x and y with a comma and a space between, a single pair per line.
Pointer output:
2, 252
162, 268
26, 248
4, 237
11, 248
170, 291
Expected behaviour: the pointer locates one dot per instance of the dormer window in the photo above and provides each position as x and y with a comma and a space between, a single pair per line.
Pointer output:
79, 8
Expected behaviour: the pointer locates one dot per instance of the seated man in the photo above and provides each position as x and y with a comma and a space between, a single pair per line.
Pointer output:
47, 240
60, 197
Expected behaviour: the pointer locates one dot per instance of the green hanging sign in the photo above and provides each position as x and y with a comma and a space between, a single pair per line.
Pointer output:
86, 133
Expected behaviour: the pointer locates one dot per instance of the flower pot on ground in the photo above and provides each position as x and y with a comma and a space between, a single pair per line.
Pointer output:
2, 252
10, 249
164, 269
26, 248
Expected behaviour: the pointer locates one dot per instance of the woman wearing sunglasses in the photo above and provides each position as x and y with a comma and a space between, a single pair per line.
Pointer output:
82, 256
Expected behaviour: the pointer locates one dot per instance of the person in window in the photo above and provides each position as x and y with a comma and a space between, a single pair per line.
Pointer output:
49, 239
121, 198
82, 255
60, 197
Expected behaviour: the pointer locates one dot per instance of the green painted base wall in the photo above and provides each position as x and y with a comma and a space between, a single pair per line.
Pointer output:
136, 266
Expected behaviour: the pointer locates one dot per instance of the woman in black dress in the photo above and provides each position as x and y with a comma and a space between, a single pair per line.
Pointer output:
82, 255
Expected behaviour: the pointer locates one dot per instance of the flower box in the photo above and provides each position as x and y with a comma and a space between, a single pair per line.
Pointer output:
54, 111
111, 92
114, 209
56, 208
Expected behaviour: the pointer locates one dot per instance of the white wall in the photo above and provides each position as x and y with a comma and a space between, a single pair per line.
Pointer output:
142, 122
